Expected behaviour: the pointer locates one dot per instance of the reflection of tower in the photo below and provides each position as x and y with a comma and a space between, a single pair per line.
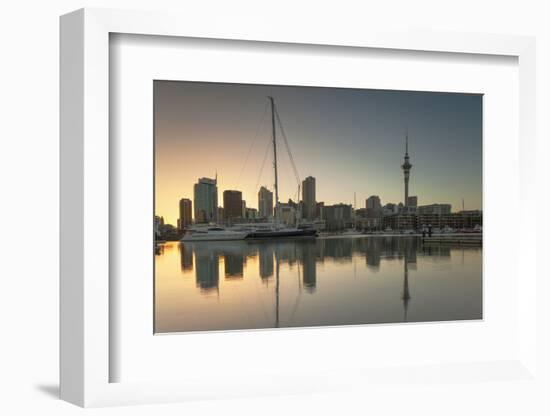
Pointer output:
406, 166
406, 296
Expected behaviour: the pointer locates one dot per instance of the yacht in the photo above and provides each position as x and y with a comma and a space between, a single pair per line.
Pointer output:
281, 232
213, 233
274, 230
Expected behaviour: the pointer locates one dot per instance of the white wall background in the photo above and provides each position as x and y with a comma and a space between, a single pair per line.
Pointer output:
29, 205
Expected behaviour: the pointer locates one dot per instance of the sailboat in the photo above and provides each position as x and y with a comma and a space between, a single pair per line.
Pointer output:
277, 229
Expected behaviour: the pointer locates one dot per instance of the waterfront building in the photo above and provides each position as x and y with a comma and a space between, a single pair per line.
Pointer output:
287, 213
361, 213
412, 201
185, 210
389, 209
371, 224
265, 203
471, 218
438, 209
373, 202
406, 166
158, 222
373, 206
318, 207
308, 197
337, 216
232, 204
457, 220
401, 221
251, 214
206, 200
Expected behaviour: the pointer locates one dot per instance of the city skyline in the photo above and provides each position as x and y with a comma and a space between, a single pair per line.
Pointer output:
187, 145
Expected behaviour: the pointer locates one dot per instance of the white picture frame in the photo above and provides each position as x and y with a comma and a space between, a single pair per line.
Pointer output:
85, 211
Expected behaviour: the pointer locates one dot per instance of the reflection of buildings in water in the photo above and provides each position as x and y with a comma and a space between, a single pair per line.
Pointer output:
436, 250
207, 269
308, 254
186, 257
233, 264
339, 249
373, 250
286, 252
320, 250
265, 253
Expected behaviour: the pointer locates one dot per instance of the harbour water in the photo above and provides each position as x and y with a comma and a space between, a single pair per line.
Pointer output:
301, 283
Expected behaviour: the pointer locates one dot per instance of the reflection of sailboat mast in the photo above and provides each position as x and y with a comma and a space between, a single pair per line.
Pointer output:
276, 291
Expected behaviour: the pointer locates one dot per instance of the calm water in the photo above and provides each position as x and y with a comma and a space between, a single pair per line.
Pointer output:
244, 285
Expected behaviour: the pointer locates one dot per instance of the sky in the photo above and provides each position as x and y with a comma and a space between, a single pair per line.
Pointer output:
350, 140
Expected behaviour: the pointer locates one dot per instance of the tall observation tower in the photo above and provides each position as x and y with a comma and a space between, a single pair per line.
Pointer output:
406, 166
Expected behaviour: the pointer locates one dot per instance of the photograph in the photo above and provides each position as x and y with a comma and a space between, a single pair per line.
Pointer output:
281, 206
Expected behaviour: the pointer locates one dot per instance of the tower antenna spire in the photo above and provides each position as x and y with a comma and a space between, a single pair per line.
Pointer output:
407, 141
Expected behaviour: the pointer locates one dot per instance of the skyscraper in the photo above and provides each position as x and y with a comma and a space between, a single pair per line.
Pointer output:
185, 218
406, 166
373, 202
265, 202
373, 206
206, 200
232, 204
308, 198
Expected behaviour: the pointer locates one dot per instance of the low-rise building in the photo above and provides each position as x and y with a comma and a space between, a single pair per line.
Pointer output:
400, 222
439, 209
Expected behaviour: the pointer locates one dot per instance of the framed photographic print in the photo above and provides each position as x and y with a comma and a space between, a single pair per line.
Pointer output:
244, 240
327, 202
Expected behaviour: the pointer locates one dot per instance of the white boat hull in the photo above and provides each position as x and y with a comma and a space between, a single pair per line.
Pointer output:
214, 237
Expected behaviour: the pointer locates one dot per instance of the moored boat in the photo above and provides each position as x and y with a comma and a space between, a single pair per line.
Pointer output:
213, 233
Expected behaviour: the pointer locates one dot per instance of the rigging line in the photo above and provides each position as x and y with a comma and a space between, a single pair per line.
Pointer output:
295, 170
258, 127
287, 147
263, 163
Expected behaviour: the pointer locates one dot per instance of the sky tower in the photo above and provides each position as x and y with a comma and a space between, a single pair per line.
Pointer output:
406, 166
